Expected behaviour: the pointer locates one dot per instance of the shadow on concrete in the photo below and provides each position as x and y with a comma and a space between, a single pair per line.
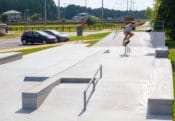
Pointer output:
150, 54
158, 117
75, 80
35, 79
124, 55
25, 111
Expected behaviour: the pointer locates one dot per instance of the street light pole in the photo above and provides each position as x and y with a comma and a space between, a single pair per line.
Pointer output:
86, 5
59, 16
127, 5
45, 12
27, 19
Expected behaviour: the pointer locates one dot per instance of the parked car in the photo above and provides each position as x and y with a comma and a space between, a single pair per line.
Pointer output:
3, 29
60, 37
37, 37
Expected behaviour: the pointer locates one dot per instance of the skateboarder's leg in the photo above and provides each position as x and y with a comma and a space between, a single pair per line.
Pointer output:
125, 38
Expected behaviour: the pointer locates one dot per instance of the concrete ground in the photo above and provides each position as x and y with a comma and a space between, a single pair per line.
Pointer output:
121, 95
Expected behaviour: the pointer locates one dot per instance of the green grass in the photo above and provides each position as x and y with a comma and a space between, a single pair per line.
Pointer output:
90, 37
10, 36
171, 45
91, 43
33, 50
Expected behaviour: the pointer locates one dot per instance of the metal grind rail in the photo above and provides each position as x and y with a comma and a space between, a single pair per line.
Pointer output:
93, 82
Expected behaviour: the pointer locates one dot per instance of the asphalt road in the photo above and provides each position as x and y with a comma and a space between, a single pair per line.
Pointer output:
10, 43
16, 42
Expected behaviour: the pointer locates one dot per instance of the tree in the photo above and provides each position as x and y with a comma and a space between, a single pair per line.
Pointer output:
149, 12
164, 11
91, 20
35, 17
35, 6
4, 18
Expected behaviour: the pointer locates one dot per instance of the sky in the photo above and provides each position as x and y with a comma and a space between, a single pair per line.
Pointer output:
111, 4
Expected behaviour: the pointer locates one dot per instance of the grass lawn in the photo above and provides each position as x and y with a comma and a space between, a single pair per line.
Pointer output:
171, 45
33, 50
10, 36
90, 39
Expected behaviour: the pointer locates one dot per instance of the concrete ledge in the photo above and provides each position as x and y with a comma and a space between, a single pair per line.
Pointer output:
32, 99
162, 52
160, 106
9, 57
161, 97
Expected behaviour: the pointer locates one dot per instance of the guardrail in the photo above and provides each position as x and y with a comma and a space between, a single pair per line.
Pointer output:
93, 82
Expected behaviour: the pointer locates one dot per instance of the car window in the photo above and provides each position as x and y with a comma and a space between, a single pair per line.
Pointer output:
36, 34
43, 33
55, 32
28, 33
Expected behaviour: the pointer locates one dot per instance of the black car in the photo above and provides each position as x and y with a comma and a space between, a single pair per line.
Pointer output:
37, 37
60, 37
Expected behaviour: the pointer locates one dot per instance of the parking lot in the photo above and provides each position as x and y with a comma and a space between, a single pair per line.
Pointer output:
16, 42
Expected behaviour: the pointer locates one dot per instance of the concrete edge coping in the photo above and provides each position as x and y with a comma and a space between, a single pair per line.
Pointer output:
161, 103
162, 52
9, 57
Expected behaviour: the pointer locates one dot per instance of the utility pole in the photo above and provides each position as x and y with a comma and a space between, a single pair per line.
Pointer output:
127, 5
131, 3
102, 11
45, 12
86, 5
59, 15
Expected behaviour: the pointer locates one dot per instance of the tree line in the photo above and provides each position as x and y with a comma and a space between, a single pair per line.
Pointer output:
34, 6
163, 14
72, 10
37, 7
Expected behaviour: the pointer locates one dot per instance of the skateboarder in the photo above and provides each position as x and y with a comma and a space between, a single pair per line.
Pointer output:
128, 34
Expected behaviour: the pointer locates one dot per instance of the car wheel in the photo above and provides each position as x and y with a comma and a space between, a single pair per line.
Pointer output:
24, 42
44, 42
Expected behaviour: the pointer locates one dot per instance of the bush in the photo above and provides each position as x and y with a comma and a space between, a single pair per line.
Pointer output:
35, 17
91, 20
4, 18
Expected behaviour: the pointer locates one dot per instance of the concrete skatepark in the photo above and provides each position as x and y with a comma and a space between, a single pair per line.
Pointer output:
49, 85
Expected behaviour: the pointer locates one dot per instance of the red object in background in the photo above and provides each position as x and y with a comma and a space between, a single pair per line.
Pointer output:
83, 22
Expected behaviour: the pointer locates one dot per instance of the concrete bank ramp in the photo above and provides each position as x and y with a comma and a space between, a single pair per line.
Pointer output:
147, 39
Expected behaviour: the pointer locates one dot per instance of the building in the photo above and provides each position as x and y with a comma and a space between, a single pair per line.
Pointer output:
13, 15
81, 16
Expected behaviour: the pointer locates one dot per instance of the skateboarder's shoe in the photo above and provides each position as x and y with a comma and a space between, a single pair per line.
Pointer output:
123, 43
127, 42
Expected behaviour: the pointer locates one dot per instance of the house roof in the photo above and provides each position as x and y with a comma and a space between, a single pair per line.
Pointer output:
12, 12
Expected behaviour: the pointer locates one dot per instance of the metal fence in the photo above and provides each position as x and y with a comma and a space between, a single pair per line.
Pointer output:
61, 28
